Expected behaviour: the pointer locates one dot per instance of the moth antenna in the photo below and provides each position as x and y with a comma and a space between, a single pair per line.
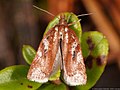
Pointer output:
79, 19
74, 22
43, 10
85, 14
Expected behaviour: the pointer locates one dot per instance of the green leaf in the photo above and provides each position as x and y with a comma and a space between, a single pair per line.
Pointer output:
95, 50
70, 18
28, 53
14, 78
51, 86
55, 76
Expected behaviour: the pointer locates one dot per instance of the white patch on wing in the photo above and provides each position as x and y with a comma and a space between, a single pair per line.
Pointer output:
55, 34
79, 57
66, 29
66, 37
38, 76
76, 79
39, 53
60, 33
56, 28
46, 44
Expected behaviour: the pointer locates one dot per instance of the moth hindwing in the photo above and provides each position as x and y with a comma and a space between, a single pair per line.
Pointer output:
59, 49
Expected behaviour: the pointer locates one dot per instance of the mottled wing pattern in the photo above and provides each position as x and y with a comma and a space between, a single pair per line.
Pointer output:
74, 71
60, 47
42, 65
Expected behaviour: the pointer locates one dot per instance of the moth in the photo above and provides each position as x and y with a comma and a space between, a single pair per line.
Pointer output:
59, 49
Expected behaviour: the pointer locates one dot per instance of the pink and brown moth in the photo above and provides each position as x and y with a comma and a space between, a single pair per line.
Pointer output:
59, 49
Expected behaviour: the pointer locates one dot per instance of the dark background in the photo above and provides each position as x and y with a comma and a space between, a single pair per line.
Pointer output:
21, 24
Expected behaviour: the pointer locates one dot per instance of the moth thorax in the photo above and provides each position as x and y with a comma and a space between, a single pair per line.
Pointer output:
62, 20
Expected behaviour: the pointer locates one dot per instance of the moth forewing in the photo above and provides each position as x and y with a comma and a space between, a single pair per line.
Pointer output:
42, 65
74, 68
